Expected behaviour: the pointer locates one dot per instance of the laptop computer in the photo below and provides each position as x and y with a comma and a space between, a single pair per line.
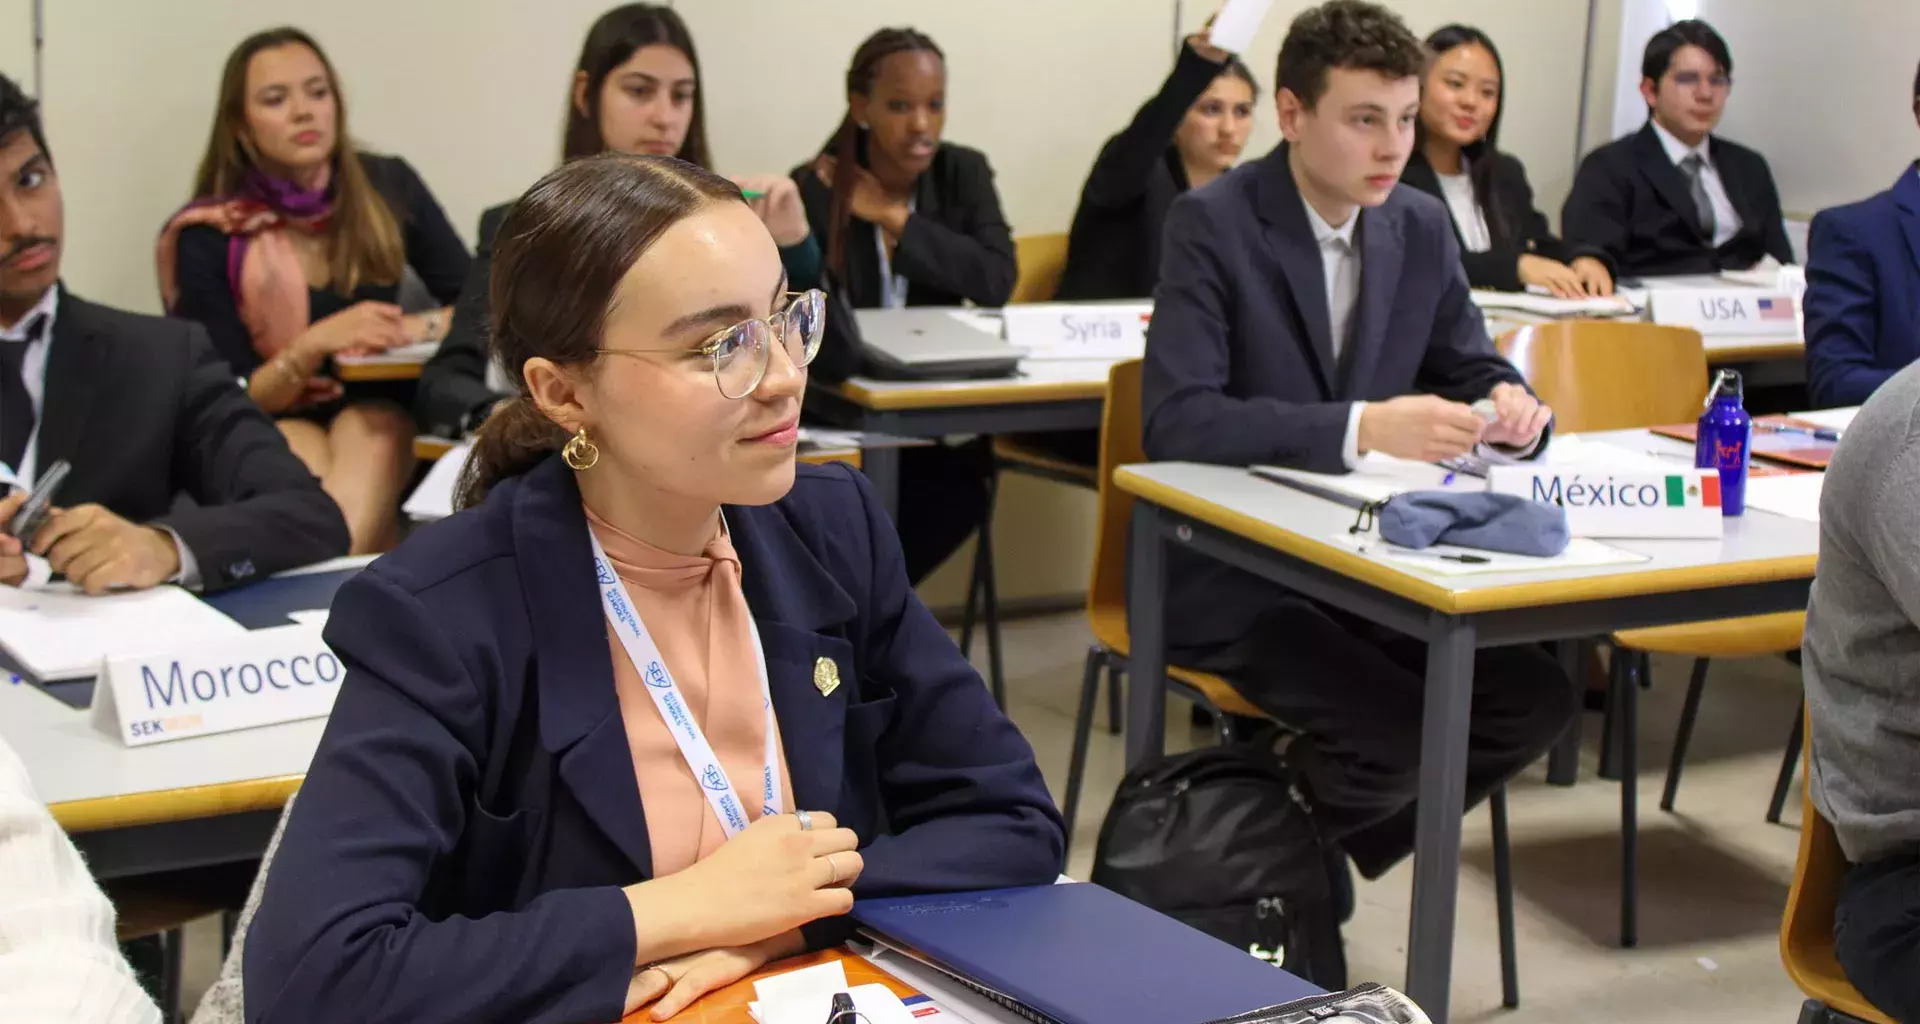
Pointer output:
1079, 954
928, 343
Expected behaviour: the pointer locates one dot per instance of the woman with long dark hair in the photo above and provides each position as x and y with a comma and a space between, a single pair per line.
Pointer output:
291, 253
658, 704
1505, 242
635, 89
910, 219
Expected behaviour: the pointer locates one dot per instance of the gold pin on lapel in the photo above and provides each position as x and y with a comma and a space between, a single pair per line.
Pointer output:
826, 676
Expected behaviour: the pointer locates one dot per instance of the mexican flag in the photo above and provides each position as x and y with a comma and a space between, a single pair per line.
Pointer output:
1693, 492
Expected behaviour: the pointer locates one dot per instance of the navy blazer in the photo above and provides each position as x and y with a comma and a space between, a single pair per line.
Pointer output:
460, 842
1630, 200
1863, 293
1239, 367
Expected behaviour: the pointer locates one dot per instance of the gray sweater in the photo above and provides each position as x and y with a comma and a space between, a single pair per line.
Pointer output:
1862, 648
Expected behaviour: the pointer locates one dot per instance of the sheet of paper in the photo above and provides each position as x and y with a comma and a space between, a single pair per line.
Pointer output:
1378, 478
1234, 26
959, 1004
1838, 419
832, 440
1796, 496
1657, 283
56, 632
310, 617
830, 977
1581, 552
433, 499
1573, 450
417, 353
875, 1004
1549, 306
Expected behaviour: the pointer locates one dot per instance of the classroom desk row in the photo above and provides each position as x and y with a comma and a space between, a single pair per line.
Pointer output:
1763, 564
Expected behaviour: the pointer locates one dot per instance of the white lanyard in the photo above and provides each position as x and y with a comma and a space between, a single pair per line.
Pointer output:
893, 287
701, 760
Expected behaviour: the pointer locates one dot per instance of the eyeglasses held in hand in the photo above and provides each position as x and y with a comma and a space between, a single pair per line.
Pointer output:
740, 353
843, 1011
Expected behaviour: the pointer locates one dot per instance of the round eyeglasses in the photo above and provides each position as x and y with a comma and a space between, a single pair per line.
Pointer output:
740, 353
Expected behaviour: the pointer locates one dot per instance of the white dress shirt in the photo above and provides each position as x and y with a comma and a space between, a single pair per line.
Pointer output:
33, 376
1340, 259
1726, 220
1467, 214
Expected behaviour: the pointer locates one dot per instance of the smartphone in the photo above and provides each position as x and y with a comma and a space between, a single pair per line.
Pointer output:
33, 512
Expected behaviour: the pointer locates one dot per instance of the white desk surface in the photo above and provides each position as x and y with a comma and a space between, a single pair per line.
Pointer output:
1757, 547
72, 762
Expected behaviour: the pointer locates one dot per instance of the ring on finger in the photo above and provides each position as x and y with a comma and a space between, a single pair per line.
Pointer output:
833, 866
806, 820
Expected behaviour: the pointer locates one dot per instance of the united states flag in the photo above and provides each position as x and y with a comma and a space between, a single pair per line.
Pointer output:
1776, 309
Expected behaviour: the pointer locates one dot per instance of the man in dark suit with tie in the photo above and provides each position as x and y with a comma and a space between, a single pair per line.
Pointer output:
1863, 290
1309, 312
1673, 198
143, 411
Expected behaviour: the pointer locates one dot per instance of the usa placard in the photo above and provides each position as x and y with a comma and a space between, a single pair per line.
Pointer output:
1680, 503
265, 677
1728, 312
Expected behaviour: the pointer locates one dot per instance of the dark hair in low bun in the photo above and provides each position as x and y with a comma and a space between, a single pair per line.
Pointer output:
557, 265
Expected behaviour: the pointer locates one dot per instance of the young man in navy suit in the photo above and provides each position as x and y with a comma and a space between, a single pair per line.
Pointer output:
1309, 312
1674, 198
1863, 290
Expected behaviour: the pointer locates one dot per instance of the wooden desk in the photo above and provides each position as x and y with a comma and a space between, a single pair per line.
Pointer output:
132, 811
729, 1005
1764, 564
192, 802
1048, 395
395, 364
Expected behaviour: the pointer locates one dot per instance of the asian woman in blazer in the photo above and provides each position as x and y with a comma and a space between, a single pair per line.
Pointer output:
1505, 243
658, 704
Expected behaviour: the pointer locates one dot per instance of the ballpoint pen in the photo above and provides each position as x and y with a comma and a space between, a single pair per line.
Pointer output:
1444, 556
1817, 433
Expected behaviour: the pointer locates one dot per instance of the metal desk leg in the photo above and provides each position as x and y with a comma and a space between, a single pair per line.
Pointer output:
882, 466
1443, 797
1146, 624
1563, 762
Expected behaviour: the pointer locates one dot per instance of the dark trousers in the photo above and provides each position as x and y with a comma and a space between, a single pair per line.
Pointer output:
1876, 932
1355, 690
943, 494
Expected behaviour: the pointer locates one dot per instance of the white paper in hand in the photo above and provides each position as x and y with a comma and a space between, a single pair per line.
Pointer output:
1238, 20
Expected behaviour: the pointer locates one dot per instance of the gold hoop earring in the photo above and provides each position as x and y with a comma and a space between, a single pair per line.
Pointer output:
580, 453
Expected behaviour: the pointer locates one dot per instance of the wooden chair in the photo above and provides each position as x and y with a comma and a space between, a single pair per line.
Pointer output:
1614, 375
1806, 930
1042, 259
1120, 445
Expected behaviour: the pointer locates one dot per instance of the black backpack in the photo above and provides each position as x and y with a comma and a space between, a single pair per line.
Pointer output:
1221, 839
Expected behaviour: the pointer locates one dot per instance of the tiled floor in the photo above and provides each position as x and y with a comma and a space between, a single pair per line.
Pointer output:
1713, 877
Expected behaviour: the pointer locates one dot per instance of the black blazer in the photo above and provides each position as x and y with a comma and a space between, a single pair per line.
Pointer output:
145, 412
956, 246
1514, 226
1239, 367
432, 248
459, 843
1629, 199
1113, 251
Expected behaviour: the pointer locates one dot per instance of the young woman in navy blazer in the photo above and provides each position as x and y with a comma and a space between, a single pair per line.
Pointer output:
470, 843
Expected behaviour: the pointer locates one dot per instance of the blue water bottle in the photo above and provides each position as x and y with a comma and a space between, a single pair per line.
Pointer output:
1725, 440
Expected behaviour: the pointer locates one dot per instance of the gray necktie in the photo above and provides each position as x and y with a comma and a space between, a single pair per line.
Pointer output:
1693, 165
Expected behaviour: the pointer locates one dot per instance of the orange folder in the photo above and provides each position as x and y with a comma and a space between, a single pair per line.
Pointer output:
729, 1005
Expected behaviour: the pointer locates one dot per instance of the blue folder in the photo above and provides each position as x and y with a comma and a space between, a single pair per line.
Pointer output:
1080, 954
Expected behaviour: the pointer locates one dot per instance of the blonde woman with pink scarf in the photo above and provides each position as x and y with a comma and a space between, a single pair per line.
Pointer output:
291, 254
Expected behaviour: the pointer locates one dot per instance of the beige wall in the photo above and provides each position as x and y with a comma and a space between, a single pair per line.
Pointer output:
16, 41
1824, 90
471, 92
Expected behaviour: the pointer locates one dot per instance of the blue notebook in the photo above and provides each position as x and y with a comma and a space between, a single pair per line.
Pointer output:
1079, 954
